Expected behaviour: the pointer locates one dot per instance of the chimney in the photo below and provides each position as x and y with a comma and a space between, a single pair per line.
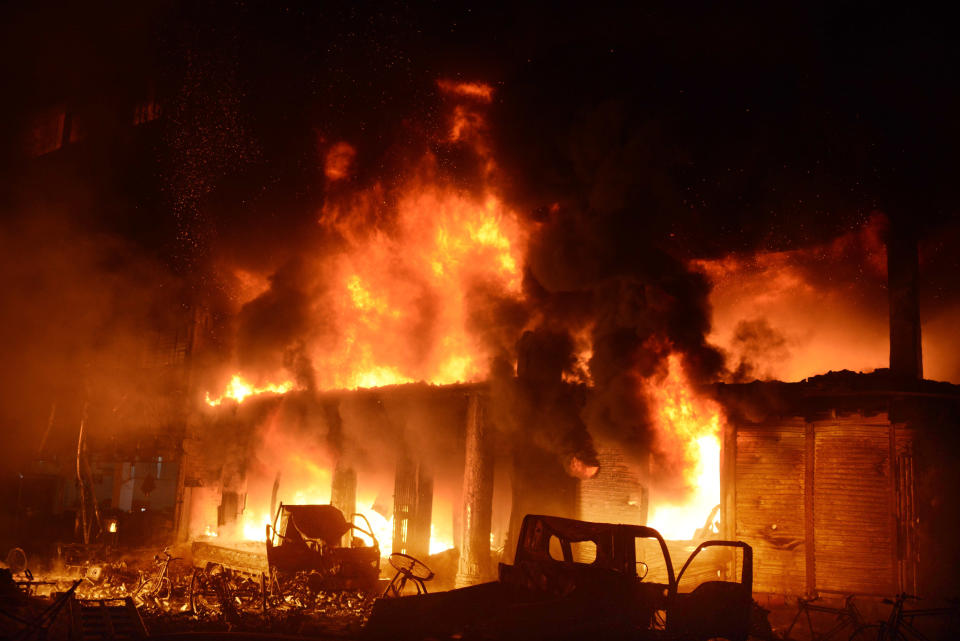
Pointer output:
903, 270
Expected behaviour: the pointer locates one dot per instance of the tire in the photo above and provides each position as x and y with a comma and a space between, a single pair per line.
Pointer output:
203, 594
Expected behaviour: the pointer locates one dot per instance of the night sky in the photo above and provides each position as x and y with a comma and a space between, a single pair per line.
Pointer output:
772, 126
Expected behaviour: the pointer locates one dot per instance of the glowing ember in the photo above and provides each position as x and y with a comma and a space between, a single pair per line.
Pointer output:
475, 90
339, 161
688, 435
581, 470
239, 389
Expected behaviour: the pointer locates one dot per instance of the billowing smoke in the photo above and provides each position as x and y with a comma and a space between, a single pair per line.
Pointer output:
85, 325
757, 346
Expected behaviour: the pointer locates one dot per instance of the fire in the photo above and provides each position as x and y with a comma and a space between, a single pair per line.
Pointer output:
397, 291
405, 305
476, 90
415, 263
339, 160
254, 522
583, 352
688, 434
793, 314
239, 389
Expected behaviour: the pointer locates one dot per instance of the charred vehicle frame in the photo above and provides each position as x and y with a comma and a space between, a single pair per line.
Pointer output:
573, 578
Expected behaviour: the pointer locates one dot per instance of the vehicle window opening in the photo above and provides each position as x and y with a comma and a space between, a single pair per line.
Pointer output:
584, 551
561, 549
710, 565
650, 564
556, 549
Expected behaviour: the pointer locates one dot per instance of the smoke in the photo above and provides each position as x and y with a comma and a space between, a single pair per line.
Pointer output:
272, 328
793, 314
759, 349
82, 325
601, 260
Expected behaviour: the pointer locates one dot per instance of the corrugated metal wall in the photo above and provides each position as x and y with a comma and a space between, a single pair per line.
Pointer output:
819, 502
770, 504
854, 507
907, 521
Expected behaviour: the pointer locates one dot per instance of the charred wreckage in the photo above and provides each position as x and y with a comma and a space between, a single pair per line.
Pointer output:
569, 579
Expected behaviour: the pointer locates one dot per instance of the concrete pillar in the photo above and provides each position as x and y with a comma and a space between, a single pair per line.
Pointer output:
343, 495
903, 275
475, 564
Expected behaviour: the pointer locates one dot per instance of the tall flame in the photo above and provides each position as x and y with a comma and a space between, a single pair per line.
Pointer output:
688, 436
404, 308
395, 299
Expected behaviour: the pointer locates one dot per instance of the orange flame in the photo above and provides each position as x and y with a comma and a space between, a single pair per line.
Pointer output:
476, 90
404, 311
339, 161
239, 389
399, 295
797, 313
311, 483
688, 436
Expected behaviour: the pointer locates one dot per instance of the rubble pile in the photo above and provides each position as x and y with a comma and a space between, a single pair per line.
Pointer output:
172, 596
326, 613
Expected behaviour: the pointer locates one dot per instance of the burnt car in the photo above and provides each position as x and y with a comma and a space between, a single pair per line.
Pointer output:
307, 538
303, 547
574, 579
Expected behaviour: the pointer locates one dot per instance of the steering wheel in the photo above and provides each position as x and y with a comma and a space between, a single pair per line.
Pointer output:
408, 569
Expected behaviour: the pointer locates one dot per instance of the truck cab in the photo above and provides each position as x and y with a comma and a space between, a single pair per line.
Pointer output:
576, 579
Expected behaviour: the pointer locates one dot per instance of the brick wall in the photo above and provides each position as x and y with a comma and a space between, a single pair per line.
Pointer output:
615, 494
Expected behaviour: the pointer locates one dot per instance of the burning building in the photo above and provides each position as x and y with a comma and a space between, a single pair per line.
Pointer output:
444, 296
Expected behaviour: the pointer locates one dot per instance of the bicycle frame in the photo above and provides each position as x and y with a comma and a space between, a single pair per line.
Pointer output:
159, 578
847, 616
899, 625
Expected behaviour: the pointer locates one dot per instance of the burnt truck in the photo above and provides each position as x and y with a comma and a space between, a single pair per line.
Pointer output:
577, 580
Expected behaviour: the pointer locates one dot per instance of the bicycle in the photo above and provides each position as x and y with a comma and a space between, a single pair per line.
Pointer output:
846, 618
158, 586
901, 625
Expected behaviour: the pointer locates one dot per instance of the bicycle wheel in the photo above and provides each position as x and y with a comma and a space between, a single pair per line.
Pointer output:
17, 560
204, 592
146, 592
872, 632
